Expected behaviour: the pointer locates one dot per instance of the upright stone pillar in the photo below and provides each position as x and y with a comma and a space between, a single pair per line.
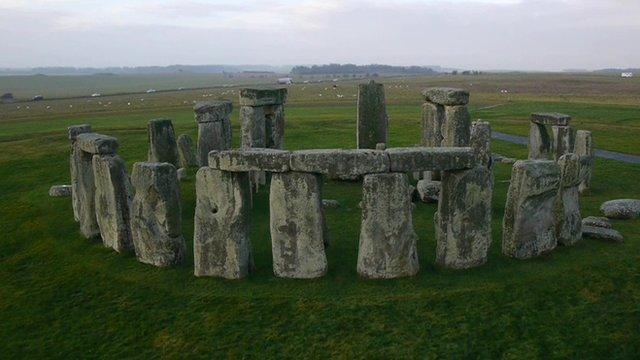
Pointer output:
186, 156
297, 225
569, 221
214, 127
463, 220
584, 148
113, 200
373, 123
539, 142
156, 214
387, 246
562, 141
529, 223
221, 244
542, 146
86, 146
162, 142
75, 163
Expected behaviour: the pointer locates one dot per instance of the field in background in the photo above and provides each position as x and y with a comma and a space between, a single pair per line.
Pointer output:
63, 296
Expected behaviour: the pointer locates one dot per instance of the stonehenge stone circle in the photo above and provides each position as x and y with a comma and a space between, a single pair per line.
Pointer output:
221, 243
162, 142
113, 196
569, 220
156, 214
75, 163
387, 246
584, 147
297, 225
373, 122
529, 224
543, 146
214, 127
562, 141
186, 156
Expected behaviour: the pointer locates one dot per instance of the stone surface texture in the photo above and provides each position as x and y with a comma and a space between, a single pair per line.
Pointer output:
562, 141
480, 142
373, 122
584, 147
539, 142
597, 221
569, 220
550, 119
429, 159
457, 126
340, 164
428, 191
75, 162
253, 159
60, 191
601, 233
162, 142
186, 156
214, 128
621, 209
93, 143
446, 96
262, 97
387, 246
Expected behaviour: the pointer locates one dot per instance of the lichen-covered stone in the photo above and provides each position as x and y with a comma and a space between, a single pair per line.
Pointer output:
297, 225
112, 201
253, 159
597, 221
60, 191
214, 128
550, 119
528, 228
262, 97
372, 127
84, 193
387, 246
432, 122
446, 96
221, 244
275, 126
562, 141
75, 130
463, 220
480, 141
93, 143
601, 233
212, 111
429, 159
569, 220
456, 127
621, 209
156, 214
186, 156
74, 161
253, 128
583, 147
340, 164
428, 191
162, 142
539, 142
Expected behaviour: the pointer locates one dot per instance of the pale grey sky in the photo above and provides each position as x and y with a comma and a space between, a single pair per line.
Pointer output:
478, 34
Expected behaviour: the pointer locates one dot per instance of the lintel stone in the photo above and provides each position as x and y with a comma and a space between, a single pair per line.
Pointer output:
550, 119
431, 158
252, 159
340, 164
446, 96
93, 143
263, 97
75, 130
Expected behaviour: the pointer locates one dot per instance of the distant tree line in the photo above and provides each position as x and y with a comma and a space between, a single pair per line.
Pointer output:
352, 69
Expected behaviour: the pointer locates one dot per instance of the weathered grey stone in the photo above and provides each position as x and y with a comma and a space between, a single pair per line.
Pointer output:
601, 233
562, 141
429, 159
330, 204
569, 220
432, 122
387, 239
93, 143
275, 126
381, 146
156, 214
60, 191
550, 119
112, 201
584, 147
253, 159
446, 96
262, 97
297, 225
463, 220
221, 244
621, 209
253, 130
74, 162
597, 221
186, 156
428, 191
456, 127
480, 141
182, 174
214, 128
340, 164
75, 130
373, 123
539, 142
84, 193
162, 142
528, 228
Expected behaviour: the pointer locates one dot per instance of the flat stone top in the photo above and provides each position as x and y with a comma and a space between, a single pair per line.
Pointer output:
221, 106
431, 158
145, 174
97, 143
253, 159
550, 119
342, 164
75, 130
535, 176
446, 96
263, 97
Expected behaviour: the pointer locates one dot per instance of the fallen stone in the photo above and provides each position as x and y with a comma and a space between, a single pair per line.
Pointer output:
221, 244
187, 158
387, 246
262, 97
446, 96
428, 191
156, 215
372, 124
597, 221
340, 164
162, 142
60, 191
428, 159
93, 143
330, 204
601, 233
621, 209
550, 119
253, 159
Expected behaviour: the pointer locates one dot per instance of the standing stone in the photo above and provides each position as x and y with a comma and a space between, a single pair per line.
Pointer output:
214, 127
156, 214
528, 228
387, 239
432, 122
262, 117
113, 200
584, 147
373, 123
455, 130
297, 225
186, 156
74, 163
562, 143
252, 123
569, 220
539, 142
162, 142
221, 244
541, 145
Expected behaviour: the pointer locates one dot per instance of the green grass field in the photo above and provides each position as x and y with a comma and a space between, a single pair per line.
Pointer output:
62, 296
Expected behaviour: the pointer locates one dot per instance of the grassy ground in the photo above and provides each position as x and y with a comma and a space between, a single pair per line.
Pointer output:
63, 296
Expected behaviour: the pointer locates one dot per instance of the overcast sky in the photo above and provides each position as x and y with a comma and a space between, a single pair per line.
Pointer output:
475, 34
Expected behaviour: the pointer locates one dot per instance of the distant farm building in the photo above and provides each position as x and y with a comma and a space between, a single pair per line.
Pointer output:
285, 81
627, 75
7, 98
